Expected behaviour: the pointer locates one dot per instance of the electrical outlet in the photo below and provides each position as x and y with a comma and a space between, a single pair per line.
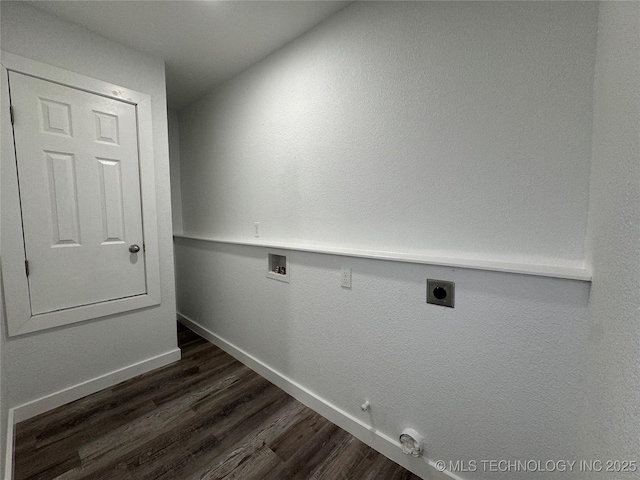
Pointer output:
440, 292
256, 229
345, 277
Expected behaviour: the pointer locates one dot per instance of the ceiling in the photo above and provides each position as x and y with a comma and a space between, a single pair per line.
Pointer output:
203, 43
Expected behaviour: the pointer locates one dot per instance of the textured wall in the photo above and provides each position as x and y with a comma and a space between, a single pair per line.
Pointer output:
499, 376
4, 408
454, 128
174, 161
364, 133
45, 362
612, 420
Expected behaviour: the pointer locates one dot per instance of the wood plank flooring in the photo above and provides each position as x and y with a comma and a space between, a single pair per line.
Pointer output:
205, 417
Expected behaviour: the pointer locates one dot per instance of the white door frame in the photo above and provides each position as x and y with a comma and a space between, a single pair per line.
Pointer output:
12, 253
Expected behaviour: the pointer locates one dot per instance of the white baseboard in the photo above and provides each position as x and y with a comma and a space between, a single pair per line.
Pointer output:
384, 444
8, 457
67, 395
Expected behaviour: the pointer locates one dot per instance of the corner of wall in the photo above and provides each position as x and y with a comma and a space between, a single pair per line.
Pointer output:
174, 161
613, 237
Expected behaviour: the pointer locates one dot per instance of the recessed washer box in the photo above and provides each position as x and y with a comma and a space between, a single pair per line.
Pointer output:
278, 265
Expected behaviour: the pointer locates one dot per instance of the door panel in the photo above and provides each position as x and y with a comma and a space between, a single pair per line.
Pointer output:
77, 159
63, 198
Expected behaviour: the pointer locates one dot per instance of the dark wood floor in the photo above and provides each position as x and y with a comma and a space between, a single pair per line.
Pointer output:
204, 417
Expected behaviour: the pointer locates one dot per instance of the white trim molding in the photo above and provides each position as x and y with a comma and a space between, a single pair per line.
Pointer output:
539, 270
75, 392
9, 447
389, 447
20, 320
70, 394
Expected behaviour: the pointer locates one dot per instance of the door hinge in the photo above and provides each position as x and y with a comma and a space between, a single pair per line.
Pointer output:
26, 266
12, 117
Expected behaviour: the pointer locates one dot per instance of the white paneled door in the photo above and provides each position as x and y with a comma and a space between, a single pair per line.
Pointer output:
79, 181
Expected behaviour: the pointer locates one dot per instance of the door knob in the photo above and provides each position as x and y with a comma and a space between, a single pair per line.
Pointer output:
134, 248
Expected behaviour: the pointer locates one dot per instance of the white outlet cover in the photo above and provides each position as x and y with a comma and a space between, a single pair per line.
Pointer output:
345, 277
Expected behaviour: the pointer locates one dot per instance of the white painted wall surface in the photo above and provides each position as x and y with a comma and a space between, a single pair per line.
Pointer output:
499, 376
361, 134
4, 409
454, 128
174, 161
611, 423
43, 363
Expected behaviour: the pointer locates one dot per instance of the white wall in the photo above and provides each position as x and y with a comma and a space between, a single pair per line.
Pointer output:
363, 133
4, 410
611, 422
499, 376
459, 129
174, 161
39, 364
